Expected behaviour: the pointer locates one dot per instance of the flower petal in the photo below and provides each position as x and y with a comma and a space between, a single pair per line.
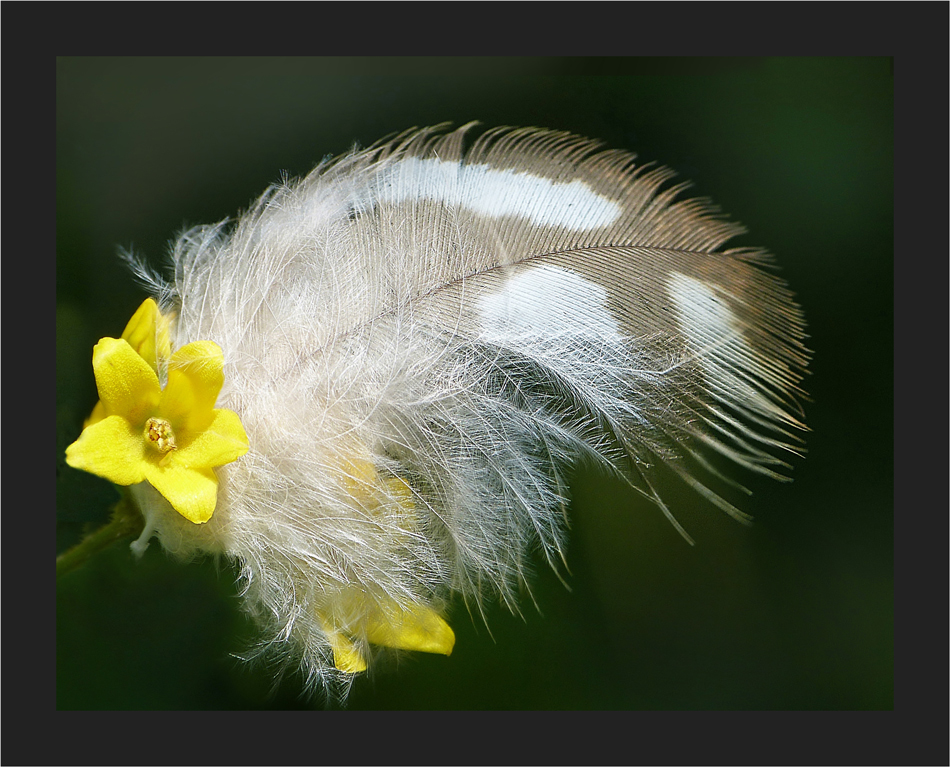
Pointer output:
346, 657
411, 627
195, 378
191, 492
222, 441
127, 385
111, 448
147, 333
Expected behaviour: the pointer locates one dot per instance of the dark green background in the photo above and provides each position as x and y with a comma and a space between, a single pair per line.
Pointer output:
795, 612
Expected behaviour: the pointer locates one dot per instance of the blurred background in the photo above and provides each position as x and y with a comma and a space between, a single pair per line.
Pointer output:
794, 612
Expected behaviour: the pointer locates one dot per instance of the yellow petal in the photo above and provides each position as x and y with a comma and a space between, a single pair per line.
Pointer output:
224, 440
195, 378
401, 491
147, 333
127, 385
359, 476
413, 627
191, 492
345, 655
363, 482
111, 448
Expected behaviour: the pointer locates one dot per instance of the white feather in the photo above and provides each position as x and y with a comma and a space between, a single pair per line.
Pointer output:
467, 323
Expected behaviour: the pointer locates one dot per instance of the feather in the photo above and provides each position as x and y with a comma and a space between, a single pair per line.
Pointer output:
422, 336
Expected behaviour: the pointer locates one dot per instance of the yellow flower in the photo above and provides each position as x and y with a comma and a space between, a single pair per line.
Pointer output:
384, 622
172, 437
390, 624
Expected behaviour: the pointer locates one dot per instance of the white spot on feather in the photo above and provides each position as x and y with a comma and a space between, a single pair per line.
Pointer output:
714, 336
493, 192
703, 317
548, 302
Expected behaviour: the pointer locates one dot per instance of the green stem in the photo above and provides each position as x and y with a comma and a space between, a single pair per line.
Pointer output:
125, 523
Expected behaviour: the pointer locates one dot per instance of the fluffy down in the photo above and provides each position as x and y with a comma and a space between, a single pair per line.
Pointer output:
419, 337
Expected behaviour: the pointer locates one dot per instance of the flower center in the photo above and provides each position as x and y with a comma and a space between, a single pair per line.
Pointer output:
159, 432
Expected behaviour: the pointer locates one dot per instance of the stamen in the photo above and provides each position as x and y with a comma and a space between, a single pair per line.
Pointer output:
159, 432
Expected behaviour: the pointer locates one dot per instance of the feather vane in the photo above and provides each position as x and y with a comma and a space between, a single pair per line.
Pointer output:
421, 336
